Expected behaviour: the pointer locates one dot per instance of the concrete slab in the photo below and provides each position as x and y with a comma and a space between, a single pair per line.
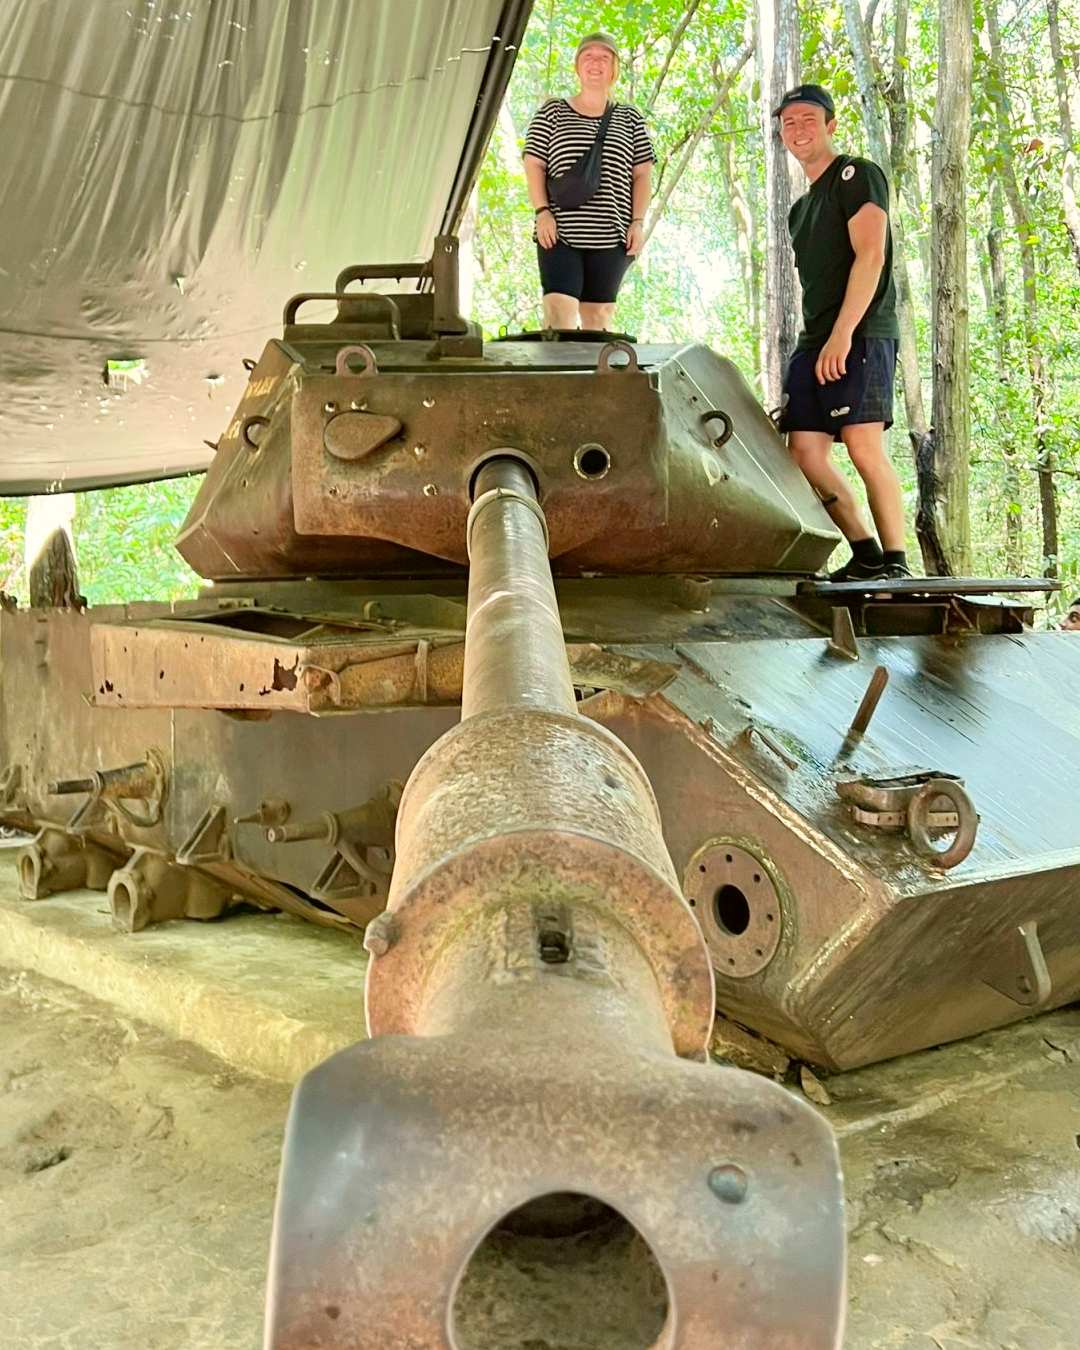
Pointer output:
137, 1171
962, 1178
137, 1176
270, 994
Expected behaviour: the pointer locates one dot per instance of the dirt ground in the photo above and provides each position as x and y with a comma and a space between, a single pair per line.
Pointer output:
137, 1176
962, 1177
136, 1181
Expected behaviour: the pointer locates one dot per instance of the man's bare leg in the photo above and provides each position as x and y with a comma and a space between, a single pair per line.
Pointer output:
596, 316
561, 311
812, 451
865, 443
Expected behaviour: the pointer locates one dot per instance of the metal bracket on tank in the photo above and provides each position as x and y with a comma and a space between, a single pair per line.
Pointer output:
209, 841
842, 642
916, 803
356, 873
1018, 967
610, 349
115, 791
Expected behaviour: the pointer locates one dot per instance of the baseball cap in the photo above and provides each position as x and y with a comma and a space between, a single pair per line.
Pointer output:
807, 93
597, 40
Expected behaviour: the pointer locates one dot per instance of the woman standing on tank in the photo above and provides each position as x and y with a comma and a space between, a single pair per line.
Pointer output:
584, 251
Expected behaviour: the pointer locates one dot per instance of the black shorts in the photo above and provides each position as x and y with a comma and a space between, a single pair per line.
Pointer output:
864, 394
590, 274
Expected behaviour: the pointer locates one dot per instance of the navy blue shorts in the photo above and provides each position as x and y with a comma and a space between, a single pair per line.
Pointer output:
590, 274
864, 394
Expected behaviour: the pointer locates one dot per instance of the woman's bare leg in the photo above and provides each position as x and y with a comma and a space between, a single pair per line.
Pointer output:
561, 311
599, 317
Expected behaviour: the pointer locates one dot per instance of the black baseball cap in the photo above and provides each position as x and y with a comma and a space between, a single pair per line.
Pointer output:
807, 93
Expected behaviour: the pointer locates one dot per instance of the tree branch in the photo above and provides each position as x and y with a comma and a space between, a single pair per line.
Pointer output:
676, 40
722, 95
1055, 469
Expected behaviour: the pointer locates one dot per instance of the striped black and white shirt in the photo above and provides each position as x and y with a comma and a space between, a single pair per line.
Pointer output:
560, 136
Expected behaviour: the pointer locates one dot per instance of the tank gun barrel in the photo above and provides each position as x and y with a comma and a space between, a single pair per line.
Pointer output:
515, 656
540, 1001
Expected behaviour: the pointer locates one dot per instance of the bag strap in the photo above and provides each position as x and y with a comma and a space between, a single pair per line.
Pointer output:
601, 130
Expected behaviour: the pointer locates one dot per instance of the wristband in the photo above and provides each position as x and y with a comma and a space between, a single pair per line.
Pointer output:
638, 220
541, 209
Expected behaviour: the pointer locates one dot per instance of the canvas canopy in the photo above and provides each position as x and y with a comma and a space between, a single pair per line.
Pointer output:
173, 170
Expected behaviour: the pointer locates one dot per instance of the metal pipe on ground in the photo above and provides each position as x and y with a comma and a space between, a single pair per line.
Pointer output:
532, 1132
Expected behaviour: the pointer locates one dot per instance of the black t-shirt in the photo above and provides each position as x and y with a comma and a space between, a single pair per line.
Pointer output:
818, 223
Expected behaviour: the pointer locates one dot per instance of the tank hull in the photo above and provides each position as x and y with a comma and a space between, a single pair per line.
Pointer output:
868, 792
739, 713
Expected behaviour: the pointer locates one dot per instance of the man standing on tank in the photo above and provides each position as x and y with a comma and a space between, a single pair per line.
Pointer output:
839, 382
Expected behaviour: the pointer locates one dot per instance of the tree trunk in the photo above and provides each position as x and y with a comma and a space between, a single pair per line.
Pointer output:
999, 308
757, 235
743, 217
1068, 115
1005, 169
899, 104
943, 524
859, 38
778, 43
742, 223
49, 552
753, 80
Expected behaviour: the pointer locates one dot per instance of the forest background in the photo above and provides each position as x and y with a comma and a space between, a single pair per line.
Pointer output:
972, 107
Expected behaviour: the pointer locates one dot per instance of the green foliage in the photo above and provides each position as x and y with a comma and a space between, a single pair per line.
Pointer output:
12, 520
124, 542
688, 284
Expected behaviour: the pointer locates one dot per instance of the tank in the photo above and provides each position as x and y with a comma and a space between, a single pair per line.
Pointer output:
863, 788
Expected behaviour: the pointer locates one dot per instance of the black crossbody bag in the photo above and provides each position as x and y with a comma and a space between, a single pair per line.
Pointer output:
582, 180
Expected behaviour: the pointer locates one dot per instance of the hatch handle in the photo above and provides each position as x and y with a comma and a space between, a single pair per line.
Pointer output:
346, 354
610, 349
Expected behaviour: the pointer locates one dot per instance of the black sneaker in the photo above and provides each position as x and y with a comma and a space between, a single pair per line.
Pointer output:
896, 572
853, 570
